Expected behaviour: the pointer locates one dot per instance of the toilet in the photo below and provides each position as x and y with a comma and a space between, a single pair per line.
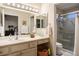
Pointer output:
59, 48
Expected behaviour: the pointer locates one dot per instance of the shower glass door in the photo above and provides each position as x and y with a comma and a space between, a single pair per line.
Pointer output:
66, 30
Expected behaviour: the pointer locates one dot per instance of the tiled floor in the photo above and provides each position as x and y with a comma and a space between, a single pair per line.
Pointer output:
67, 53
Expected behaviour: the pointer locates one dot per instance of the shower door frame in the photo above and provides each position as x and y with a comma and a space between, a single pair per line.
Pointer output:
75, 51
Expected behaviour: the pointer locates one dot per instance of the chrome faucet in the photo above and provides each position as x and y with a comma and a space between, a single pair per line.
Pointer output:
16, 34
16, 37
10, 36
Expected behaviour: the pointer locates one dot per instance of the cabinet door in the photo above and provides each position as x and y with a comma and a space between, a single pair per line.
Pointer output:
15, 54
33, 44
42, 41
4, 50
19, 47
30, 52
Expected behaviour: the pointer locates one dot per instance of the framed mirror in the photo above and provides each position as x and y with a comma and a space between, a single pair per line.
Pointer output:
1, 23
11, 25
41, 21
41, 25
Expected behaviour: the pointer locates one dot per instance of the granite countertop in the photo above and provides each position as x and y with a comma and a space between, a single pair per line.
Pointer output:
6, 42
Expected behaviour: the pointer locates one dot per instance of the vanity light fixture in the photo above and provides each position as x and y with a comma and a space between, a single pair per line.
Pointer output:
30, 9
36, 10
33, 9
18, 5
8, 3
13, 4
22, 6
26, 7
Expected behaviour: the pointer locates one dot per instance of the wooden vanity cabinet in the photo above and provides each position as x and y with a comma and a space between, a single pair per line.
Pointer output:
22, 49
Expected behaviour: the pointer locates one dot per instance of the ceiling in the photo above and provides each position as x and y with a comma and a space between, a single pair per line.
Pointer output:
67, 7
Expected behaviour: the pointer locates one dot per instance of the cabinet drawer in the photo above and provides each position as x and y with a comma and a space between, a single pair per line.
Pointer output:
33, 44
30, 52
15, 54
4, 50
42, 41
19, 47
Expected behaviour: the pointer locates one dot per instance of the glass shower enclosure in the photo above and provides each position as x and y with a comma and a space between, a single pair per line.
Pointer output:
66, 30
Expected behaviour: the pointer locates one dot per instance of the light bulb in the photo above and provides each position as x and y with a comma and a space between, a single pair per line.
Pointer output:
26, 7
18, 5
33, 9
8, 3
22, 6
13, 4
36, 10
30, 8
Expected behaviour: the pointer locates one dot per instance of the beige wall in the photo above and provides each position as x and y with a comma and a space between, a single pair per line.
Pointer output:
53, 25
0, 15
36, 5
76, 47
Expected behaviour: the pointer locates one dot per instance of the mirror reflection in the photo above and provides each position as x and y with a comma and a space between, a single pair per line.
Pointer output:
11, 25
14, 22
41, 25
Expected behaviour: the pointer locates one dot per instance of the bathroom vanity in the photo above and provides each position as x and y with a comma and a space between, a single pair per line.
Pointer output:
22, 23
21, 47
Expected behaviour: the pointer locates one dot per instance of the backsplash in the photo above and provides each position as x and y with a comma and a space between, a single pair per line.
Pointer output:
41, 31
